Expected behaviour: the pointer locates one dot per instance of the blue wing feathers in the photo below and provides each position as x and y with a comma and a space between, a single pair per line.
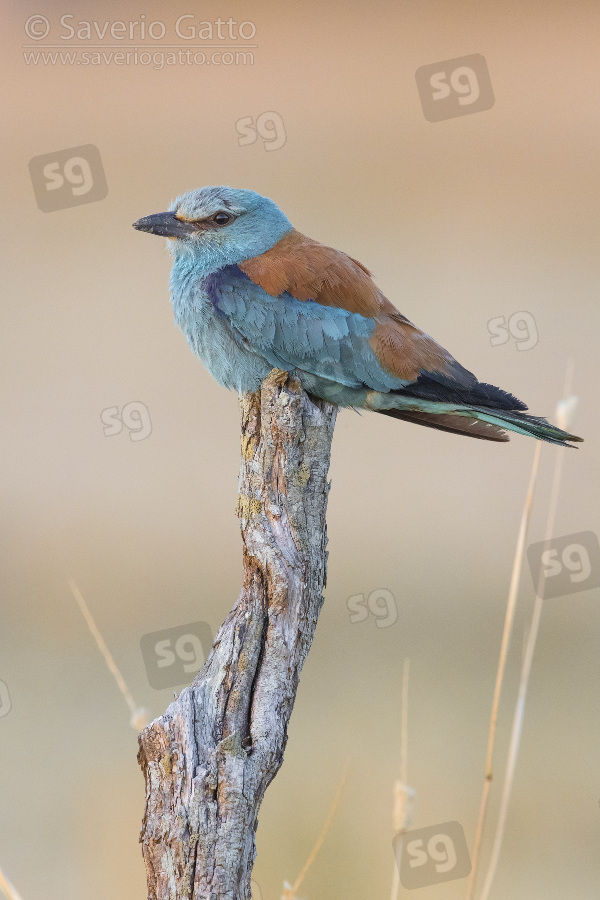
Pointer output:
326, 341
330, 342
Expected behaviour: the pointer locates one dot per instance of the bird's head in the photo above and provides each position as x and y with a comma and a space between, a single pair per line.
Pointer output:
218, 226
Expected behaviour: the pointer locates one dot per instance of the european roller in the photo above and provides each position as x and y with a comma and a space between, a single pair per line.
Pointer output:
251, 294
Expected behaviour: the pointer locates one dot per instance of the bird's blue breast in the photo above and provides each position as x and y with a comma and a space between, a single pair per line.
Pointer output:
209, 332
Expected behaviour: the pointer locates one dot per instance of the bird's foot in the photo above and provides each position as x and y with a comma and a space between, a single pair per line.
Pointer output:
276, 378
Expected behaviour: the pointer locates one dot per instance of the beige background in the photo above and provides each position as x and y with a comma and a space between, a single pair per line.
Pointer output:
462, 221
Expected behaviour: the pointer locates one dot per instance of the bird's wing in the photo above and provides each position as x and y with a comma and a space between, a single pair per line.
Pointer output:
306, 306
326, 341
301, 268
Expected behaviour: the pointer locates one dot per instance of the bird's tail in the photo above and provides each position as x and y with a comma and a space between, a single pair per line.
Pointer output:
480, 422
523, 423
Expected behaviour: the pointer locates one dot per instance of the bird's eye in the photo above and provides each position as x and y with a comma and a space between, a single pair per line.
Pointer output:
221, 218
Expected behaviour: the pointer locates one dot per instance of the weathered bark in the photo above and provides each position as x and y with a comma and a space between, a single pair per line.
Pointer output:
209, 759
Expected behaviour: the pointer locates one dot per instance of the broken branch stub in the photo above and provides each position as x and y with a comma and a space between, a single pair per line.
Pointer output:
210, 758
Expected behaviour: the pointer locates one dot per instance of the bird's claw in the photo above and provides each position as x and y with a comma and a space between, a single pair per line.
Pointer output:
276, 378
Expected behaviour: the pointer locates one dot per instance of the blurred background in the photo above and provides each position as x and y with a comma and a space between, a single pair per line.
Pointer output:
121, 454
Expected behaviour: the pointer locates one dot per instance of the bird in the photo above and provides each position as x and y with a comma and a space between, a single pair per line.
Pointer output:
252, 294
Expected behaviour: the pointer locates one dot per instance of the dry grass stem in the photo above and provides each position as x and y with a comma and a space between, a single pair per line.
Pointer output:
564, 413
404, 722
403, 794
289, 893
7, 889
138, 715
506, 634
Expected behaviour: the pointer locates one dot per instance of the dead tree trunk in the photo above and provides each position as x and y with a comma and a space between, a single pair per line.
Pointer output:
210, 758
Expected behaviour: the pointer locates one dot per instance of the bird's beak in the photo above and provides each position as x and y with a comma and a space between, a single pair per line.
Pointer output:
166, 225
